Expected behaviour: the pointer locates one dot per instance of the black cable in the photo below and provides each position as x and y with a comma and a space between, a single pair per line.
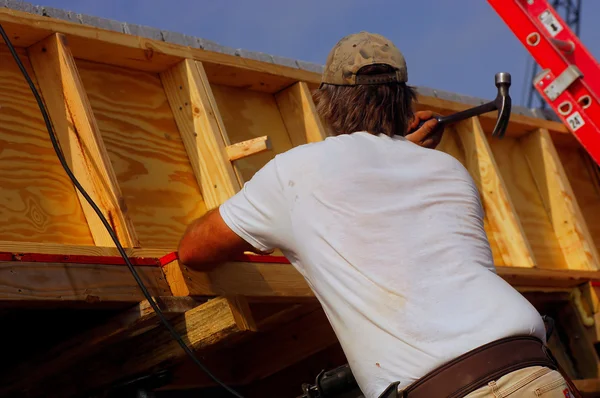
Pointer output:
103, 219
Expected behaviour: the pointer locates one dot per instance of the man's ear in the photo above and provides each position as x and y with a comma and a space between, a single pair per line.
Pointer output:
209, 240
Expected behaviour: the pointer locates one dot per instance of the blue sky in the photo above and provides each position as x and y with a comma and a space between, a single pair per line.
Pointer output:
455, 45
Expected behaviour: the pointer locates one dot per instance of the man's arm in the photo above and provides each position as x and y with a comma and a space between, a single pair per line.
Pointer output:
208, 241
255, 219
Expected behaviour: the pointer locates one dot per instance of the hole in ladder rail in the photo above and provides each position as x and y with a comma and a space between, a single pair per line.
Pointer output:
585, 101
533, 39
565, 108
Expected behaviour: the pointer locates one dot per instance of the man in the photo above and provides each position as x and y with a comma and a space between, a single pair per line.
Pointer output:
389, 235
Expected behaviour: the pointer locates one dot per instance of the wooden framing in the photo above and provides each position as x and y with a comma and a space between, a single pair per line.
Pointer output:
160, 133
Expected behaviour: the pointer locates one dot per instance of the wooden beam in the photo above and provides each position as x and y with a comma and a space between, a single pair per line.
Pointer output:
248, 148
202, 130
80, 139
500, 211
204, 327
135, 321
71, 284
242, 313
559, 200
256, 281
262, 282
76, 250
245, 363
299, 114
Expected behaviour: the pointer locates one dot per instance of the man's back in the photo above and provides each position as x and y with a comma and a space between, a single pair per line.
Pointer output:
390, 237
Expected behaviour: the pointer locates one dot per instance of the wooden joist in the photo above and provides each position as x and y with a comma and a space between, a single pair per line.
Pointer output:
201, 129
80, 139
503, 225
272, 282
203, 327
74, 284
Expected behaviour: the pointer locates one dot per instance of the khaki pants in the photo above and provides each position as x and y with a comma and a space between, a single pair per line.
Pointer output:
535, 381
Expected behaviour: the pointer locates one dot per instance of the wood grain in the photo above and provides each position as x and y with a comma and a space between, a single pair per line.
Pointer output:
299, 115
98, 284
38, 202
451, 145
584, 177
68, 250
262, 282
247, 115
559, 201
80, 140
146, 151
202, 131
248, 148
528, 203
504, 225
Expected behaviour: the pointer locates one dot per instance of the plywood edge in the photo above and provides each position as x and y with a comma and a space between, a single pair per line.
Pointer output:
202, 131
559, 200
500, 210
299, 114
80, 140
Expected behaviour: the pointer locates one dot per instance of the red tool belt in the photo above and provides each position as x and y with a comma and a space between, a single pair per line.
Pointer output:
476, 368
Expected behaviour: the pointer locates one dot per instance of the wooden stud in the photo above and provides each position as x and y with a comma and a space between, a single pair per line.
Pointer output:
299, 114
39, 283
248, 148
306, 335
242, 313
202, 130
559, 200
497, 204
80, 139
206, 326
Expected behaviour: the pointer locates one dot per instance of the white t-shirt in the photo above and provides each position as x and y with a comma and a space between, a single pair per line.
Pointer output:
390, 238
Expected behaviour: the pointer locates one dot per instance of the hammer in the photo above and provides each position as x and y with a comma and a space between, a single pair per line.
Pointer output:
502, 103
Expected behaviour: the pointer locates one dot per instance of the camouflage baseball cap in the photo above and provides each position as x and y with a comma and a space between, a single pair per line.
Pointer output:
357, 50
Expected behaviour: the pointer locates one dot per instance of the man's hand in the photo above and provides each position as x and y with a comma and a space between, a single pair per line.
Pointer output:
429, 135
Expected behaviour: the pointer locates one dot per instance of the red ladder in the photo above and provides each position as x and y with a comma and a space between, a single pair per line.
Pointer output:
570, 77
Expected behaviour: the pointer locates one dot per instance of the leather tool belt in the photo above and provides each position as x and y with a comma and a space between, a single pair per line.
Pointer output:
476, 368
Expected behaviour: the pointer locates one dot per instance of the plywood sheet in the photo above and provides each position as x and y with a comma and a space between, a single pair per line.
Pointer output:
146, 151
584, 178
251, 114
37, 200
528, 203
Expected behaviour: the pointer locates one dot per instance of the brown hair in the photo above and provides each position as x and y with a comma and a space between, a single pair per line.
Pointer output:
378, 109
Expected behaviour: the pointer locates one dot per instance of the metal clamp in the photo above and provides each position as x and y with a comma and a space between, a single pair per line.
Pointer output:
562, 82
